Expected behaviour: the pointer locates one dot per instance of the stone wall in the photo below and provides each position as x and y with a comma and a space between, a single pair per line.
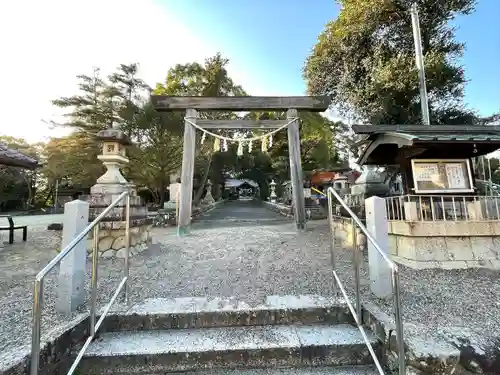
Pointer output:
342, 227
112, 238
316, 212
445, 244
56, 355
280, 208
112, 228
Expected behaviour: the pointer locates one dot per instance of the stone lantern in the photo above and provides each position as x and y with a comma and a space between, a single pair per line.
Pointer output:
111, 184
113, 156
273, 195
209, 199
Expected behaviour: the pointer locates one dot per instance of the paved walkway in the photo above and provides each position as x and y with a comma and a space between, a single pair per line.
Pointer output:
37, 220
239, 213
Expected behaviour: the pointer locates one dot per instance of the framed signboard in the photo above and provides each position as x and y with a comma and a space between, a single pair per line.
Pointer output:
442, 176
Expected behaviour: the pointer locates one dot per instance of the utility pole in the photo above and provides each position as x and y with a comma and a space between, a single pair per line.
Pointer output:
419, 58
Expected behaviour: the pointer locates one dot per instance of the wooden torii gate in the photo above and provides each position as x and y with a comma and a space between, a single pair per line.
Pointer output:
192, 104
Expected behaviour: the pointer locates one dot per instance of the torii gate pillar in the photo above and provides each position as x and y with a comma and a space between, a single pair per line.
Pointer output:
187, 174
296, 176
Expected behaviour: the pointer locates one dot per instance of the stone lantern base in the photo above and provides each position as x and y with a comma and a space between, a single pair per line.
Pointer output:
112, 228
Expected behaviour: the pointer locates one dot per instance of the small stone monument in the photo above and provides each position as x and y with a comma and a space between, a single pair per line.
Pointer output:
209, 199
174, 190
273, 195
109, 186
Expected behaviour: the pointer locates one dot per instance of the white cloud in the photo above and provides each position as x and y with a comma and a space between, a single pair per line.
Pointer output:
45, 44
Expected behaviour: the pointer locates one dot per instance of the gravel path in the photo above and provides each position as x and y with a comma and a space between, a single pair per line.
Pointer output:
243, 250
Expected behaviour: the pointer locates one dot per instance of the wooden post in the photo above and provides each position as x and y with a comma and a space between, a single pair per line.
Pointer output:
188, 156
299, 207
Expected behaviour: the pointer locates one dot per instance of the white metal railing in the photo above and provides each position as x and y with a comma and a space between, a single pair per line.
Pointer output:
357, 311
38, 290
443, 208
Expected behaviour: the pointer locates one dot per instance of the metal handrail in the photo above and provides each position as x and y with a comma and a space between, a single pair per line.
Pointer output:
355, 220
38, 289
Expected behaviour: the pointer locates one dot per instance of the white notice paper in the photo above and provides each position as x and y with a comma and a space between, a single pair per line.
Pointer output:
455, 176
426, 172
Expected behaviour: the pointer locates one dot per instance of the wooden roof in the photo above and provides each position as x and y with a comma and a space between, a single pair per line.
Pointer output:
385, 144
14, 158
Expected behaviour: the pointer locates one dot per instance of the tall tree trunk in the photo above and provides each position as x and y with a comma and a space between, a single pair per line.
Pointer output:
162, 193
201, 189
49, 195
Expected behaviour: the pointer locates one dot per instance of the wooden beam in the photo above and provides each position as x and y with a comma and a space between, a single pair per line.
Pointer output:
415, 129
241, 103
241, 124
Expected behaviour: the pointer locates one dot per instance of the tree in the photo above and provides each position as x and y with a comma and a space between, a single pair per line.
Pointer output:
318, 144
159, 152
127, 93
209, 79
365, 60
72, 160
90, 110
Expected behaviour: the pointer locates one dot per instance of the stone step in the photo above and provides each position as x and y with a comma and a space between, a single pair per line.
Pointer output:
161, 351
351, 370
201, 312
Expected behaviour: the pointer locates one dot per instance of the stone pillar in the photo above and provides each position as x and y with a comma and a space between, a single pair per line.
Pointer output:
174, 192
209, 199
378, 226
273, 191
72, 278
110, 185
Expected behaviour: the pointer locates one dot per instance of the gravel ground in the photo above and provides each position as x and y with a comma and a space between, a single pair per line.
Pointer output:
248, 252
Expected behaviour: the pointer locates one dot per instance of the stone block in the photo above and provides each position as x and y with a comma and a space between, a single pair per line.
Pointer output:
121, 253
406, 247
483, 248
108, 254
105, 243
118, 243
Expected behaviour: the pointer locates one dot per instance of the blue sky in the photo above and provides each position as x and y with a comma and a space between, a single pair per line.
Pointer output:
267, 42
271, 38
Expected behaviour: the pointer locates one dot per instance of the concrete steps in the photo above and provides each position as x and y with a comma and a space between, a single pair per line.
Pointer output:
201, 312
296, 334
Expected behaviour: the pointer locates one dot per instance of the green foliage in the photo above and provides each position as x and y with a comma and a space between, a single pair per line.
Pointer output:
209, 79
122, 99
72, 160
365, 59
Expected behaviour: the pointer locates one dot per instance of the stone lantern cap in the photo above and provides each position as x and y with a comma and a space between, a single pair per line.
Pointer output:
113, 135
